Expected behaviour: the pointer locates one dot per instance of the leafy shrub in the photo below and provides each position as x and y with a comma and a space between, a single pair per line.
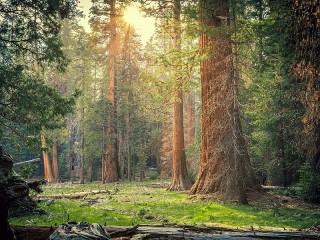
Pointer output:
154, 176
309, 184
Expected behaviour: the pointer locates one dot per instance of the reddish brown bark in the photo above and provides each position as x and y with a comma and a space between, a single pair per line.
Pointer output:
225, 169
180, 180
306, 27
166, 155
111, 166
46, 161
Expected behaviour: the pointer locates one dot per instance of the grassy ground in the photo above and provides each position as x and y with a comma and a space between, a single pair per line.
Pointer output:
148, 203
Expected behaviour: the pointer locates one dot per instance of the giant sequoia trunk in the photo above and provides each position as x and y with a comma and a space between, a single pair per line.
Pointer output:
180, 179
111, 166
225, 169
306, 35
306, 29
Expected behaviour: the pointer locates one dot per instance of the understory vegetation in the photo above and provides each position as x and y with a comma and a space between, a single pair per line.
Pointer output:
128, 204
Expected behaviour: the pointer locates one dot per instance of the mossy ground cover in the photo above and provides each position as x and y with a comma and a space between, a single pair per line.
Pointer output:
135, 203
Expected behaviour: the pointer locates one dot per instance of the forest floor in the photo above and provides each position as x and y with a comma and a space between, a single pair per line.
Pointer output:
149, 203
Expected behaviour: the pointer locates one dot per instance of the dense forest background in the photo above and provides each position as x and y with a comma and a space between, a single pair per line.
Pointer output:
104, 106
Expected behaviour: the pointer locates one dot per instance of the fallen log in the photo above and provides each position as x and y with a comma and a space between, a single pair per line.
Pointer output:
171, 232
199, 233
73, 195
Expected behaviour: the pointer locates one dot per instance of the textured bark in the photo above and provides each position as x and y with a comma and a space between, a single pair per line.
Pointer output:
55, 164
190, 118
171, 232
166, 155
306, 27
180, 181
190, 109
225, 169
46, 161
111, 165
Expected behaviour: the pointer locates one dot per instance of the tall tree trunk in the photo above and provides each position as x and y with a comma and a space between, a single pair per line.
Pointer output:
128, 96
46, 161
82, 157
55, 164
190, 107
120, 157
166, 155
225, 169
306, 30
190, 118
111, 165
180, 180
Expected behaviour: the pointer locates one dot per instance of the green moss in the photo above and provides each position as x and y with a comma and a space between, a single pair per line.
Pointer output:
137, 203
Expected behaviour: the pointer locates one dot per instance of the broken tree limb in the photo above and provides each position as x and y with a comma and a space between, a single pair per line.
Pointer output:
73, 195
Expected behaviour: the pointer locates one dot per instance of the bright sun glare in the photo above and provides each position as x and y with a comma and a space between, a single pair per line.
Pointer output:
133, 16
143, 25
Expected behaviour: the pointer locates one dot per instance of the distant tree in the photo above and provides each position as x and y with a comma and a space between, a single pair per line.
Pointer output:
180, 180
23, 99
27, 104
270, 96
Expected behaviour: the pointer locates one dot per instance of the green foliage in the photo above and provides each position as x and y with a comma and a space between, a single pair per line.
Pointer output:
272, 107
27, 102
154, 176
141, 203
27, 171
309, 183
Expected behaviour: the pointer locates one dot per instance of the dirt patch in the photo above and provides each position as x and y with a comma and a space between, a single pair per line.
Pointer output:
266, 199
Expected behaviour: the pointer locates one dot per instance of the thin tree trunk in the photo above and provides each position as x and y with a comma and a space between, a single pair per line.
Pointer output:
82, 157
46, 161
55, 164
190, 107
120, 157
180, 180
111, 165
225, 169
129, 99
190, 118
